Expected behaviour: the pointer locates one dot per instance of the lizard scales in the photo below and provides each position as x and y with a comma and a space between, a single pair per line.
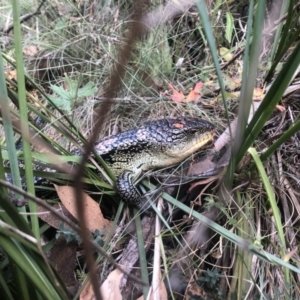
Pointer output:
156, 144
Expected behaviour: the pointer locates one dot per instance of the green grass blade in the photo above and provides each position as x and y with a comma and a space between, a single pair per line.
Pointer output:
3, 190
270, 101
229, 27
22, 286
274, 206
202, 9
248, 82
285, 40
271, 197
288, 134
280, 56
4, 288
23, 115
9, 134
284, 7
32, 267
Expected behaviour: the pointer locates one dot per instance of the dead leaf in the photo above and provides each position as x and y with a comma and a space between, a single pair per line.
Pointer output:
195, 94
176, 96
216, 255
280, 108
288, 256
194, 291
198, 87
51, 219
258, 94
11, 74
110, 288
30, 50
192, 96
88, 292
93, 215
225, 54
201, 167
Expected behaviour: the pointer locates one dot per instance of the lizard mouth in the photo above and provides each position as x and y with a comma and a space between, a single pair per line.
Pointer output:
197, 144
186, 149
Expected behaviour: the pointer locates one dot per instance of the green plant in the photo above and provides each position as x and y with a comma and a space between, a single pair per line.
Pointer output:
210, 279
66, 99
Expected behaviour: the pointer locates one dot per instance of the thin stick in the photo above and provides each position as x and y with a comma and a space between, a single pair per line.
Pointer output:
115, 81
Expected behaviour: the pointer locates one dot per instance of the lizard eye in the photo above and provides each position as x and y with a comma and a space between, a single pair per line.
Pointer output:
193, 130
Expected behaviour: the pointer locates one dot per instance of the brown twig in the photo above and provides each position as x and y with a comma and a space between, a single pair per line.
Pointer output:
136, 30
238, 54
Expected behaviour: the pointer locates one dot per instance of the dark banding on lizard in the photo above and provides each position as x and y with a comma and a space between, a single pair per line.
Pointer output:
156, 144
